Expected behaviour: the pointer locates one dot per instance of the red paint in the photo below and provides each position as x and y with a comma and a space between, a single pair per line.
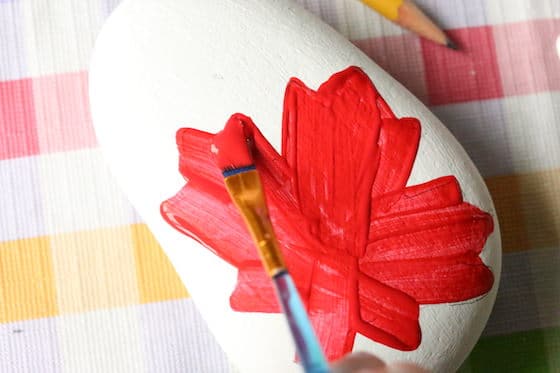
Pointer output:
231, 145
364, 249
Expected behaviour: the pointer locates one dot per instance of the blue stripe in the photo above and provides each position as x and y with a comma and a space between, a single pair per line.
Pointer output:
239, 170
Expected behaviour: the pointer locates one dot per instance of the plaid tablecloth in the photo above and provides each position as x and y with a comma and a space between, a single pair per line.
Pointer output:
84, 287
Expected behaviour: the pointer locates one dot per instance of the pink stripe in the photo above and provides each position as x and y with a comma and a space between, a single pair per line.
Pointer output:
495, 61
527, 56
51, 114
18, 130
467, 75
63, 112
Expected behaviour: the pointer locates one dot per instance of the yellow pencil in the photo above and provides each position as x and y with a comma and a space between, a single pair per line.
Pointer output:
407, 15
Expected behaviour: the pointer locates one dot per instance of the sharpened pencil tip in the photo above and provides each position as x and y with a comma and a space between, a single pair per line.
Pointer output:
451, 45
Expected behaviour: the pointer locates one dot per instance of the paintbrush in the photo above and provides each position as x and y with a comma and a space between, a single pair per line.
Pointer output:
243, 184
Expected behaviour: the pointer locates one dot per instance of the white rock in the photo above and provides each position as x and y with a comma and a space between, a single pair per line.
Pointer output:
163, 64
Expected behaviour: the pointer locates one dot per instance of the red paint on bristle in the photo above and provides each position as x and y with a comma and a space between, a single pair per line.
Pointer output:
231, 145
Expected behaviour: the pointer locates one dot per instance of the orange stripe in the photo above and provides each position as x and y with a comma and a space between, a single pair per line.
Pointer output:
528, 207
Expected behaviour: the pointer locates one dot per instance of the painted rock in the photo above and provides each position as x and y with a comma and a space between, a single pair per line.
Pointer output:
384, 222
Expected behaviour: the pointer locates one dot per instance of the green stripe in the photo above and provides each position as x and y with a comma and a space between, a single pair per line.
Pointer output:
532, 351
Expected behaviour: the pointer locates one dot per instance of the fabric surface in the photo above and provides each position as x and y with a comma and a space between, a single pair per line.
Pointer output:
84, 287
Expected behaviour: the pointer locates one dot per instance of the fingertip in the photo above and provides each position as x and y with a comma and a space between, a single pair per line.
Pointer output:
359, 362
402, 368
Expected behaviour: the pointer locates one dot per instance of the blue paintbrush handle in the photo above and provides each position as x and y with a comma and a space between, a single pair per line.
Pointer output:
307, 345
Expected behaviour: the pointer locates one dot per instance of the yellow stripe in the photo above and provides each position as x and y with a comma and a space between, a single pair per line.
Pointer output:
27, 288
528, 208
157, 279
94, 269
125, 265
387, 8
84, 271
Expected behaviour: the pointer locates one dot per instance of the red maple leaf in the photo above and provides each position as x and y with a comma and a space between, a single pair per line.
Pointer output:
365, 250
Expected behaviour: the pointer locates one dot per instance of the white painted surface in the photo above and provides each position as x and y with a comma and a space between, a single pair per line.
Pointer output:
164, 64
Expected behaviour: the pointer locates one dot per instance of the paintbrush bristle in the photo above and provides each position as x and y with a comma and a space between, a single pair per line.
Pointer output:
231, 146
